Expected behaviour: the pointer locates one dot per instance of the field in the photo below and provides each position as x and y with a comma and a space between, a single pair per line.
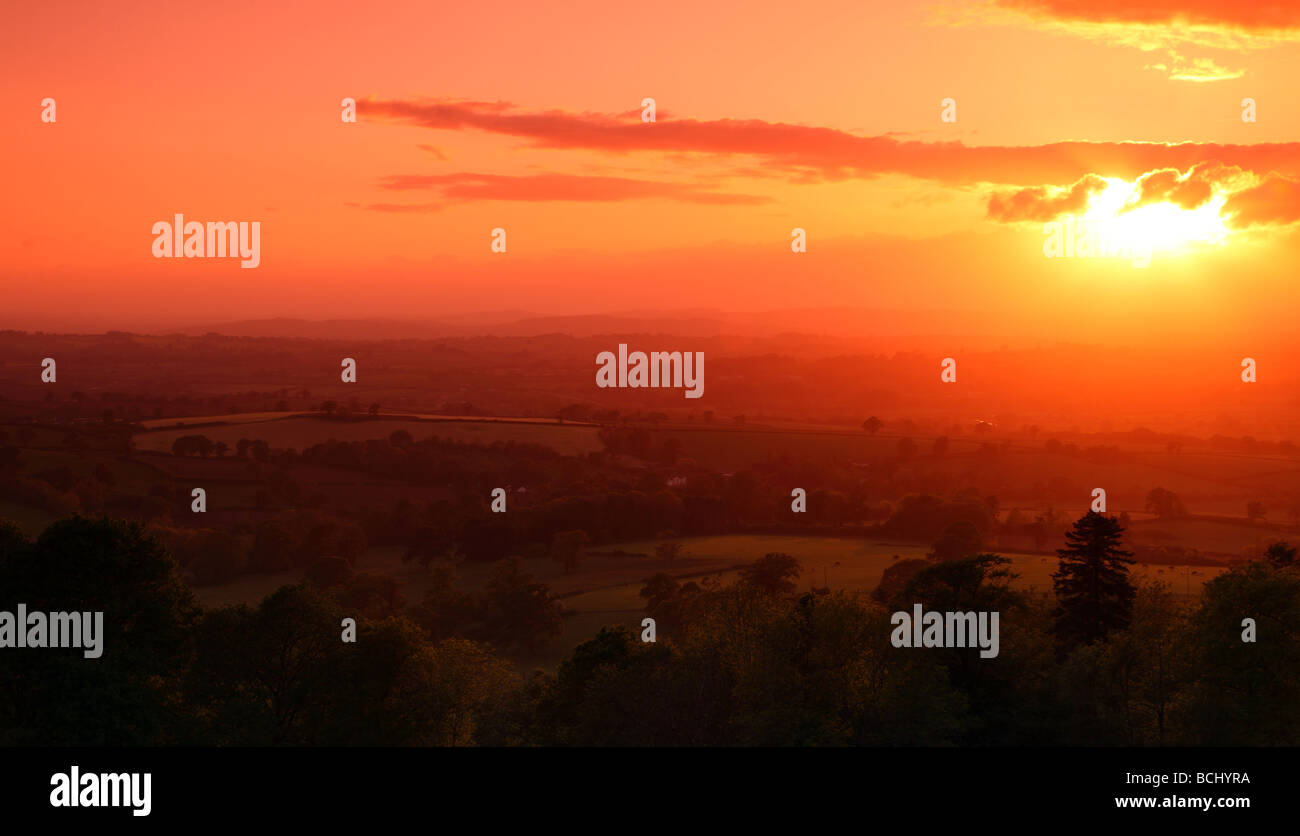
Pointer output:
235, 418
1020, 474
1211, 536
301, 431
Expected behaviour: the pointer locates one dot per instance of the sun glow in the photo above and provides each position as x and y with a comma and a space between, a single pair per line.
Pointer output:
1159, 226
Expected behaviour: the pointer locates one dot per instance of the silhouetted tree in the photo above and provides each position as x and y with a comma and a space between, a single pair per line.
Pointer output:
1281, 554
958, 540
895, 578
1247, 692
1165, 504
567, 548
129, 695
668, 552
773, 573
1093, 591
522, 613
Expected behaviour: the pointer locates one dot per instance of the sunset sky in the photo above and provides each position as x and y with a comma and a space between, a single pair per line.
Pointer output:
771, 116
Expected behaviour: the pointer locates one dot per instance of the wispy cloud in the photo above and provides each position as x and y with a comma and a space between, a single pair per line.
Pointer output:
466, 186
811, 154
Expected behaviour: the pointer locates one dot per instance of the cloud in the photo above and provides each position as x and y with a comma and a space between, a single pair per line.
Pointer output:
1232, 14
559, 187
1248, 199
1188, 191
1234, 27
1200, 70
811, 154
399, 208
1275, 200
1043, 203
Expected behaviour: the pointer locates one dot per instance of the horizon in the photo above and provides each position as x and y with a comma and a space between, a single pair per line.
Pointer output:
411, 376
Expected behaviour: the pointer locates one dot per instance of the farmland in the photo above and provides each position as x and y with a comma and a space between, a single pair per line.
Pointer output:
299, 431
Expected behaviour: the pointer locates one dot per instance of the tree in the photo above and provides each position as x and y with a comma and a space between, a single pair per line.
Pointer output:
274, 547
574, 412
601, 684
1165, 504
567, 548
896, 577
958, 540
872, 425
130, 694
906, 448
1130, 689
1247, 692
429, 543
1280, 554
262, 675
659, 589
189, 445
1093, 591
1255, 510
773, 573
940, 445
668, 552
1042, 527
521, 612
977, 582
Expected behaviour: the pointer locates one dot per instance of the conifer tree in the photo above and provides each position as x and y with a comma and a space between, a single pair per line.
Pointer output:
1093, 591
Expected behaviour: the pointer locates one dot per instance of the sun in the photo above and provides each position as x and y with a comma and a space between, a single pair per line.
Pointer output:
1160, 226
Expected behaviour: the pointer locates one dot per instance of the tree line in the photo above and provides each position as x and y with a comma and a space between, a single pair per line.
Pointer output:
1099, 660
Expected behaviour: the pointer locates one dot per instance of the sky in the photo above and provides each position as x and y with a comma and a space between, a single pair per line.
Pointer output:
822, 116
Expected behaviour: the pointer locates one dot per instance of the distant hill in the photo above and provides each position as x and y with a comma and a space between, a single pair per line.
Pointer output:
348, 329
832, 322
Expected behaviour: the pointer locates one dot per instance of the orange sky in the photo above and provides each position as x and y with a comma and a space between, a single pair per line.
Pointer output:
824, 116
